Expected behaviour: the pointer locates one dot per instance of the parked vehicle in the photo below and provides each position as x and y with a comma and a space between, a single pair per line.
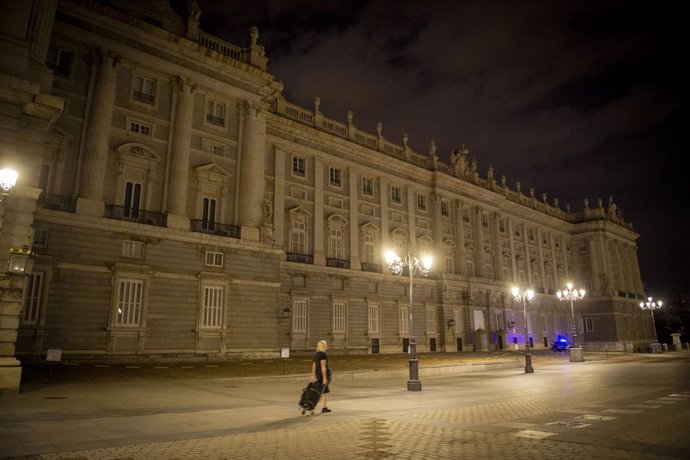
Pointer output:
561, 344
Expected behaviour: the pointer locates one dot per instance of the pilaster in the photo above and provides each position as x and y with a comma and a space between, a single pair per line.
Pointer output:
319, 255
354, 221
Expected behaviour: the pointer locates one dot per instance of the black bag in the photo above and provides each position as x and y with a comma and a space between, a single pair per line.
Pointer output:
311, 394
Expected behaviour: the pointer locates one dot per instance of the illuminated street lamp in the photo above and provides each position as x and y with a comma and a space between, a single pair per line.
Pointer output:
572, 295
525, 295
8, 179
397, 266
652, 305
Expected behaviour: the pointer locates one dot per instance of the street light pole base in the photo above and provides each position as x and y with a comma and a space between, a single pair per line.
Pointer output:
414, 385
528, 364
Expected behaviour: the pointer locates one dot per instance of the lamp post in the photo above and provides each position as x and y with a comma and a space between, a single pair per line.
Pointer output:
397, 266
572, 295
525, 295
652, 305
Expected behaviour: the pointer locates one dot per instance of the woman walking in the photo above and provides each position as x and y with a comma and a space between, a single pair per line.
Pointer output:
321, 374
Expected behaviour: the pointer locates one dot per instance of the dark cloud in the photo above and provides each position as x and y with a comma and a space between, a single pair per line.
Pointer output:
579, 99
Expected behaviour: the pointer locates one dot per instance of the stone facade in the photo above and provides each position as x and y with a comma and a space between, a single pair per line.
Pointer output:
188, 209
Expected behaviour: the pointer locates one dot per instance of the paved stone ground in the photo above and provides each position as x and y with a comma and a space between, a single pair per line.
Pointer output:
627, 407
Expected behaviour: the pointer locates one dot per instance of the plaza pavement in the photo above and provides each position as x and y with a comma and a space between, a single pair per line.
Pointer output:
247, 409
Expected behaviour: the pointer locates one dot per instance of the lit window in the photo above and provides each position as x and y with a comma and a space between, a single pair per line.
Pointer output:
214, 259
335, 176
144, 89
298, 166
129, 302
396, 196
339, 324
59, 60
215, 113
367, 186
133, 249
212, 307
421, 202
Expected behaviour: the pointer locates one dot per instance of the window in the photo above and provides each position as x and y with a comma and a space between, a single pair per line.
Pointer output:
339, 317
132, 200
589, 324
32, 298
396, 195
59, 60
336, 243
449, 255
214, 259
139, 127
518, 230
298, 236
466, 215
299, 316
431, 320
445, 208
530, 234
129, 302
502, 226
298, 166
369, 244
212, 307
404, 320
133, 249
499, 321
335, 176
421, 202
485, 220
489, 267
469, 264
208, 213
367, 186
144, 89
374, 319
215, 113
40, 238
457, 319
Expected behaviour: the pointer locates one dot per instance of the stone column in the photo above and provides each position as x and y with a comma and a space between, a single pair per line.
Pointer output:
498, 250
279, 197
513, 260
459, 239
252, 166
354, 221
480, 269
540, 255
597, 285
97, 137
178, 179
383, 194
439, 256
319, 256
411, 204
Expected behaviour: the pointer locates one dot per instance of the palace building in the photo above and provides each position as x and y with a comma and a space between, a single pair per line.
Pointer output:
181, 207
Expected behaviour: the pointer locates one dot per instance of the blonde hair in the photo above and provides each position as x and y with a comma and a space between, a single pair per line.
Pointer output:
322, 345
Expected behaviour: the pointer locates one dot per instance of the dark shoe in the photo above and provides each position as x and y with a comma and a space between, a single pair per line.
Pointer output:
325, 410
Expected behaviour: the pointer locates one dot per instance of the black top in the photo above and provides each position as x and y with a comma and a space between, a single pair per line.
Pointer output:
320, 356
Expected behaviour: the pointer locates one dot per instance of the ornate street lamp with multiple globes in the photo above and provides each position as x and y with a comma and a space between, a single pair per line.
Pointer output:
524, 296
571, 294
652, 305
397, 266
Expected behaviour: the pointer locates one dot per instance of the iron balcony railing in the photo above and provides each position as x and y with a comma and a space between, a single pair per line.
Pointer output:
215, 228
299, 258
57, 202
337, 263
140, 216
368, 267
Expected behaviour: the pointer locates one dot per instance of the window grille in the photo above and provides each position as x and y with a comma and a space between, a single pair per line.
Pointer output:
129, 302
299, 316
32, 298
212, 308
339, 317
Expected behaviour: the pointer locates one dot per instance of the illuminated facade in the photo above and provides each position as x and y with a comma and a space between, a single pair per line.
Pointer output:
189, 210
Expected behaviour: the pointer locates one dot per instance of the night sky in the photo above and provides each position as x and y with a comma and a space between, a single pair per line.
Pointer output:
576, 99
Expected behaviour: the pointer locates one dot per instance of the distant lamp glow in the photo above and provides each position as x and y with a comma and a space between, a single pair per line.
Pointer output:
8, 179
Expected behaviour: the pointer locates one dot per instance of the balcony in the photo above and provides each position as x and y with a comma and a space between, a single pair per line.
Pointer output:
374, 268
56, 202
214, 228
337, 263
140, 216
299, 258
